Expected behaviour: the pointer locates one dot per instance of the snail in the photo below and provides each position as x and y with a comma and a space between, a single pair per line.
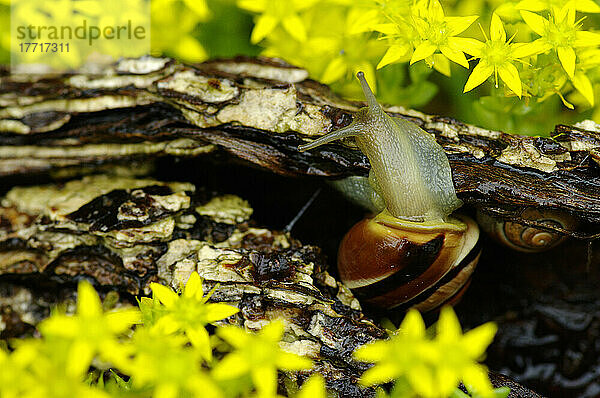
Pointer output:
414, 253
526, 238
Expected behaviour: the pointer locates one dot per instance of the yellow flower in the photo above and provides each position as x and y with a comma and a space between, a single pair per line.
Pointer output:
90, 331
562, 33
257, 355
541, 5
275, 13
462, 351
173, 31
437, 33
497, 56
430, 368
190, 312
168, 365
42, 367
400, 36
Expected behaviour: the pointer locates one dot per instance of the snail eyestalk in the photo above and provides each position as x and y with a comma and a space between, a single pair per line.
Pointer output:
412, 171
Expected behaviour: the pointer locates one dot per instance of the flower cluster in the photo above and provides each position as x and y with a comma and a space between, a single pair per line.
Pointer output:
168, 354
162, 349
431, 367
335, 38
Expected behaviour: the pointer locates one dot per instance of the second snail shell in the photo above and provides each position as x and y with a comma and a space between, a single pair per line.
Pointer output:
527, 238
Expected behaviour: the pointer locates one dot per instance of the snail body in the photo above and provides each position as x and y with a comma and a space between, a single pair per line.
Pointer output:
413, 253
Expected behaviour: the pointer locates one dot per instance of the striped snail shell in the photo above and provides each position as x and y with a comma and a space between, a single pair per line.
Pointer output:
527, 238
413, 253
396, 264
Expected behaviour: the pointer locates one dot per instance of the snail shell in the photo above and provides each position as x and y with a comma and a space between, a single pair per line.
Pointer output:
397, 264
527, 238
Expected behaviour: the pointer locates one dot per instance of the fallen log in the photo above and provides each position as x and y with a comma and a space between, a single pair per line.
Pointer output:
260, 110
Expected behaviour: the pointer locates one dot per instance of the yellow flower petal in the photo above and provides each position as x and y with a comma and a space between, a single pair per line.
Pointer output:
265, 380
193, 287
586, 39
423, 50
435, 10
457, 25
164, 294
372, 352
584, 86
263, 26
121, 320
467, 45
480, 74
166, 325
412, 325
510, 76
588, 6
80, 358
566, 55
273, 330
497, 32
60, 325
448, 327
522, 50
230, 367
199, 7
422, 380
300, 5
290, 361
387, 28
565, 15
441, 64
218, 311
455, 56
477, 340
531, 5
88, 302
253, 5
166, 390
361, 20
335, 70
201, 341
233, 335
446, 380
295, 27
535, 22
190, 49
313, 387
379, 374
393, 54
476, 376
